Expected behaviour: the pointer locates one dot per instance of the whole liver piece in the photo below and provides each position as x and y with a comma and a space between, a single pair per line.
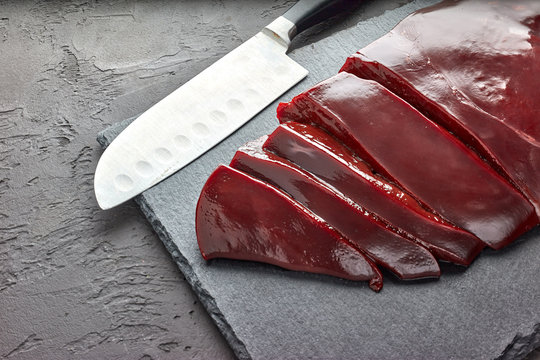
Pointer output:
473, 66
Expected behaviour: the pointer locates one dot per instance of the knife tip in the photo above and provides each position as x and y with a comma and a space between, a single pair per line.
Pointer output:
102, 187
102, 200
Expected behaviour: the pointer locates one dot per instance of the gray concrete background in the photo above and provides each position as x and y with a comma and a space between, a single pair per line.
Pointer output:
75, 281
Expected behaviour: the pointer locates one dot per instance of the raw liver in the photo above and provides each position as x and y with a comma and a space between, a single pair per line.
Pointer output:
472, 66
319, 318
418, 155
315, 151
239, 217
404, 257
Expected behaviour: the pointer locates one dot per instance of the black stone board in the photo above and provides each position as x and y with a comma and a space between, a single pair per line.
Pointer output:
490, 310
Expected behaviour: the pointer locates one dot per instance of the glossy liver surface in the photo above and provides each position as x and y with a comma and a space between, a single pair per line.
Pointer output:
426, 146
404, 257
317, 152
240, 217
474, 67
420, 156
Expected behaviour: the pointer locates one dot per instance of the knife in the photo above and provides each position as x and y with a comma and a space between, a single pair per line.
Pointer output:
208, 108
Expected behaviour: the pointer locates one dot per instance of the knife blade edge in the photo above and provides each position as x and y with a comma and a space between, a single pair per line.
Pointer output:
206, 114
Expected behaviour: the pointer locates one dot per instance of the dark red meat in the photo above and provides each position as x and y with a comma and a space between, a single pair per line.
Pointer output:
421, 157
240, 217
407, 259
472, 66
383, 183
318, 153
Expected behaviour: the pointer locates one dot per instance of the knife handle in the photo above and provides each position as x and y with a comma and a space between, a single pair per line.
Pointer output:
307, 13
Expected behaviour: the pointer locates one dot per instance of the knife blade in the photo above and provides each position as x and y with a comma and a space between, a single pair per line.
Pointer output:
208, 108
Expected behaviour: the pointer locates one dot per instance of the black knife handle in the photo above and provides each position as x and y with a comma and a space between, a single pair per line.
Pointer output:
306, 13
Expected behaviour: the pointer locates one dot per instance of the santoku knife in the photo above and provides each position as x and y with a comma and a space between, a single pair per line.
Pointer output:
208, 108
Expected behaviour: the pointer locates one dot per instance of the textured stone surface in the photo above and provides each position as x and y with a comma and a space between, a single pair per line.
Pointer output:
77, 282
490, 310
80, 283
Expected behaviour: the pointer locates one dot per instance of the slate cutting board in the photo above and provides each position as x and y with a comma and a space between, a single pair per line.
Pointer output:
491, 310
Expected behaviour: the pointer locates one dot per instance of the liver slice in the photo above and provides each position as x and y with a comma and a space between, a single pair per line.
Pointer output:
474, 67
405, 258
417, 154
240, 217
318, 153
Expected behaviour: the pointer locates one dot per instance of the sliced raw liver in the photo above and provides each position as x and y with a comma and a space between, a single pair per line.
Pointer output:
315, 151
240, 217
417, 154
474, 67
407, 259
